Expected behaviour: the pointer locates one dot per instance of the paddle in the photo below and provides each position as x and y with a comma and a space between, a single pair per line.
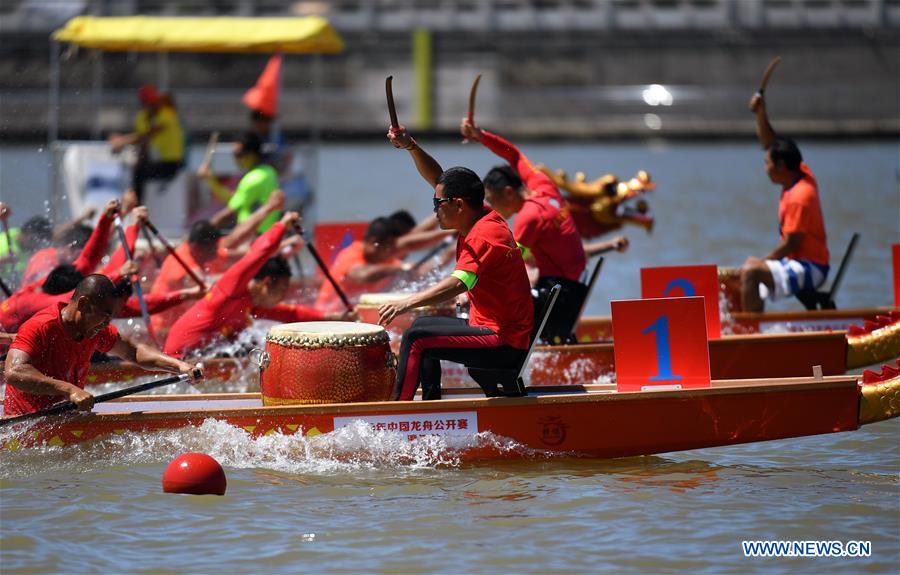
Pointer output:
433, 252
392, 110
324, 268
472, 93
5, 288
147, 237
768, 74
9, 246
590, 288
210, 152
174, 254
68, 406
137, 284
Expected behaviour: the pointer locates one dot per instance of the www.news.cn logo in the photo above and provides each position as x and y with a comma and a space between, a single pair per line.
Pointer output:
807, 548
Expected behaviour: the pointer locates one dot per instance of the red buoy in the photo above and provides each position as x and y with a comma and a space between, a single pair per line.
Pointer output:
195, 474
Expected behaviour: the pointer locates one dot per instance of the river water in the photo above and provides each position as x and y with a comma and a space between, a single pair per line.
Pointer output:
354, 502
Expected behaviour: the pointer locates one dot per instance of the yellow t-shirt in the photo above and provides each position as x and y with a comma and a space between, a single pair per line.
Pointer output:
167, 145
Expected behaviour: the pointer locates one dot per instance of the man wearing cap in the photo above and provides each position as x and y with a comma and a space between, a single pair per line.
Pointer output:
257, 184
160, 140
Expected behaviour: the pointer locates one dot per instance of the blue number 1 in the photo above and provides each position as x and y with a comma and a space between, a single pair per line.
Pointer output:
663, 352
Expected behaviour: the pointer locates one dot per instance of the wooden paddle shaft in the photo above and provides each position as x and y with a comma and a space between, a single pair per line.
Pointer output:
392, 110
175, 255
68, 406
210, 150
9, 246
137, 284
322, 266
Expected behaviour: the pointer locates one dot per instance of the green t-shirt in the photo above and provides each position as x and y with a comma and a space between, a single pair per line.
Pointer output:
252, 192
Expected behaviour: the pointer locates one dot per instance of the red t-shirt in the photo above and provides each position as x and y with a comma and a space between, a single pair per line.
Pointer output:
544, 224
350, 257
799, 210
173, 277
29, 299
501, 298
54, 353
40, 264
228, 308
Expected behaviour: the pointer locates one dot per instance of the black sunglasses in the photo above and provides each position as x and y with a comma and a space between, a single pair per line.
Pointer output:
438, 201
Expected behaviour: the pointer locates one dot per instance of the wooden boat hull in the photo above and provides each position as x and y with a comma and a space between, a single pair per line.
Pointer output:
731, 357
599, 328
591, 421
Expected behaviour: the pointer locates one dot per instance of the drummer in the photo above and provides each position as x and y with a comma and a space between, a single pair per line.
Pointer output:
50, 357
489, 267
800, 261
543, 229
253, 288
366, 266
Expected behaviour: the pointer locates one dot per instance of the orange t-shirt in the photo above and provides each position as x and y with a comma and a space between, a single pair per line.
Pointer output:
348, 258
173, 277
799, 211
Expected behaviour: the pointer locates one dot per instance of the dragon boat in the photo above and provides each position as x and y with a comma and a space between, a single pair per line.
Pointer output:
584, 420
743, 356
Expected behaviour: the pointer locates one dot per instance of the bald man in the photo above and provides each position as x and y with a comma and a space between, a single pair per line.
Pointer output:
50, 357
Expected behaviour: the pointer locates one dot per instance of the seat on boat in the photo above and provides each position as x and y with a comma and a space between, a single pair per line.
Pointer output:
814, 299
511, 382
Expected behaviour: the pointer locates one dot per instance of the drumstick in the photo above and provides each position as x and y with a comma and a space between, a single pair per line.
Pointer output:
174, 254
210, 152
392, 110
472, 94
768, 74
324, 268
136, 282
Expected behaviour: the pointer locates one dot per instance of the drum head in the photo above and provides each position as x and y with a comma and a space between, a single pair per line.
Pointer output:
376, 300
327, 333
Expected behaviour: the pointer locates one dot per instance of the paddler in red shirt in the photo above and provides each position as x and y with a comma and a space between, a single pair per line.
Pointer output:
489, 267
543, 229
60, 284
63, 278
50, 357
253, 288
800, 261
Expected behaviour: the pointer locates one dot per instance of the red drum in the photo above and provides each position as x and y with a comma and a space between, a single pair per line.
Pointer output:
326, 362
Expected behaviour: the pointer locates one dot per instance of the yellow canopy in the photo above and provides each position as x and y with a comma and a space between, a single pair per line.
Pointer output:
307, 35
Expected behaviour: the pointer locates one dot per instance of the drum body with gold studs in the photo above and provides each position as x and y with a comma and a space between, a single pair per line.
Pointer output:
326, 362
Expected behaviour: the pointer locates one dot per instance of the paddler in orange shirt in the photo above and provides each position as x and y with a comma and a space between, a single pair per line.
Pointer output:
366, 266
800, 261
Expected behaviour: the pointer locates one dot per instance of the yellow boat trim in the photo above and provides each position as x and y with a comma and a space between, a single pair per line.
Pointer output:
879, 401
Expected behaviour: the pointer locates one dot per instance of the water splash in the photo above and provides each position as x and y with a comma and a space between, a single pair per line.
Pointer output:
354, 447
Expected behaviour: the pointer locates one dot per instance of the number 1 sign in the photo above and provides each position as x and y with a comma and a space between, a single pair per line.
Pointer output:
660, 344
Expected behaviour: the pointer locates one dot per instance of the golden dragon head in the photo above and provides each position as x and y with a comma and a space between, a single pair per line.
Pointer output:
605, 204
